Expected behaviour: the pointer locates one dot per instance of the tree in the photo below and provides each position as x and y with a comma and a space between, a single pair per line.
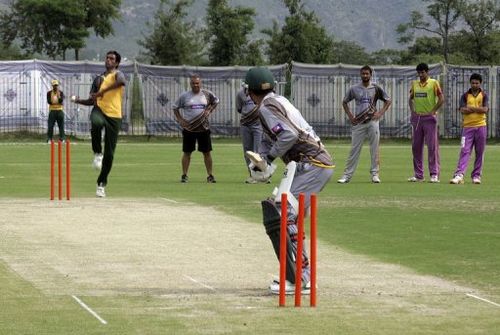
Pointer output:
99, 16
227, 30
302, 38
253, 55
482, 20
445, 14
386, 57
53, 26
11, 53
42, 26
173, 41
349, 52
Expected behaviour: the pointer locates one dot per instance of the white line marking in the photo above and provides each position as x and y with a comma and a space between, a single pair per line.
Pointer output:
88, 309
482, 299
245, 307
199, 283
170, 200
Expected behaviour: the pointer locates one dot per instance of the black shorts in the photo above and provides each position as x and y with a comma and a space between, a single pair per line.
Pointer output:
189, 140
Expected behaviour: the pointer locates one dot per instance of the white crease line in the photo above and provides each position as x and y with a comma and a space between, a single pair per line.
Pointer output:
170, 200
199, 283
482, 299
88, 309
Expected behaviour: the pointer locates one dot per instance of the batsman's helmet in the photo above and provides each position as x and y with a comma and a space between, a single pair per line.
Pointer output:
259, 79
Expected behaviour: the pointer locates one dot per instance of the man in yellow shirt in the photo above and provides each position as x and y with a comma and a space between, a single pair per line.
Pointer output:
55, 98
473, 106
106, 97
425, 100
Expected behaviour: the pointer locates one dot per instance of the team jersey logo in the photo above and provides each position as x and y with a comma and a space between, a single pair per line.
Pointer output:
198, 106
421, 95
277, 129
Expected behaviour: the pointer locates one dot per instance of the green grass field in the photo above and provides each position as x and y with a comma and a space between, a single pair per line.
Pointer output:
441, 231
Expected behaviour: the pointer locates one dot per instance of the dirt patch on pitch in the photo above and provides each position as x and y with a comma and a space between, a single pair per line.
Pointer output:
163, 248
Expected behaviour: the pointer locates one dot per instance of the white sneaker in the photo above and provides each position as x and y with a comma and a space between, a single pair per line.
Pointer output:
375, 179
415, 180
434, 179
343, 180
476, 180
274, 288
100, 192
97, 163
458, 179
250, 180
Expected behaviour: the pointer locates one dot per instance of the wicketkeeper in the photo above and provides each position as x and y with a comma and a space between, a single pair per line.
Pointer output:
287, 135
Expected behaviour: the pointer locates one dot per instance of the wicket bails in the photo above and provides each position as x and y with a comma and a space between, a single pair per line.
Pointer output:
300, 247
60, 162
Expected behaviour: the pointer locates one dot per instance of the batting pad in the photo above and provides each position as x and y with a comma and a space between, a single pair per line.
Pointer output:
272, 220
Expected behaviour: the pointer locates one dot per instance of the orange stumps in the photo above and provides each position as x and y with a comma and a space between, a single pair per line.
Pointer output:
314, 246
60, 162
59, 169
52, 170
299, 287
68, 170
283, 251
300, 249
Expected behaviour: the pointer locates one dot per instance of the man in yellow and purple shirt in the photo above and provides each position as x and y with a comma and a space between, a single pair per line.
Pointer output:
425, 100
473, 106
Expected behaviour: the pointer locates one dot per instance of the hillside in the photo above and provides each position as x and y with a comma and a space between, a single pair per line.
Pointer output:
371, 23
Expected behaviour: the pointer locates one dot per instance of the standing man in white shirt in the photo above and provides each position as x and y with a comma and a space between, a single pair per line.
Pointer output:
192, 110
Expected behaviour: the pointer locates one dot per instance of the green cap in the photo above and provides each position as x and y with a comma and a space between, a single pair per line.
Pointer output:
259, 79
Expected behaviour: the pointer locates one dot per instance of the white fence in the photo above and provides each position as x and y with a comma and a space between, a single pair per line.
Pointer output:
317, 90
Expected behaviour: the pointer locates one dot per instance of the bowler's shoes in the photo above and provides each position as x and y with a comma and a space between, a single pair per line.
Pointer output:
434, 179
100, 191
375, 179
274, 288
97, 162
476, 180
211, 179
343, 180
184, 178
457, 179
250, 180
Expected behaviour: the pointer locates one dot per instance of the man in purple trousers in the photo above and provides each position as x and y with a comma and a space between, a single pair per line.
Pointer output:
425, 100
473, 106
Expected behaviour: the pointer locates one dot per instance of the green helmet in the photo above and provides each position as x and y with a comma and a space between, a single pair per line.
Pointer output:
259, 79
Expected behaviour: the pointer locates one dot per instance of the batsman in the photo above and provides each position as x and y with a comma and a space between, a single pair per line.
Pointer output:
309, 167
